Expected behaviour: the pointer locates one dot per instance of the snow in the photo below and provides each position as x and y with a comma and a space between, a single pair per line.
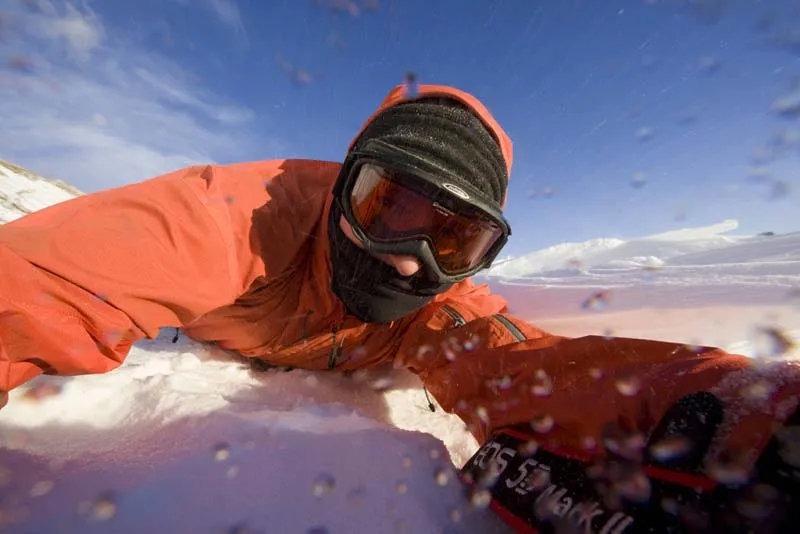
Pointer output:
695, 285
185, 437
23, 192
636, 252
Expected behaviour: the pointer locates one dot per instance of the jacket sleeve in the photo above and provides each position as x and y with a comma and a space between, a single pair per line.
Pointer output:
498, 372
83, 279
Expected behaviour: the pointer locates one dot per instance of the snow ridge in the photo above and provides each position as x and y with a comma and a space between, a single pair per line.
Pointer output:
23, 192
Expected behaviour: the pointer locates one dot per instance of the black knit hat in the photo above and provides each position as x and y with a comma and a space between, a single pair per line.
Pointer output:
448, 134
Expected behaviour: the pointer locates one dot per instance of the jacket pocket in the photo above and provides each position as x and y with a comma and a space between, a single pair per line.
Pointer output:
511, 327
457, 318
505, 322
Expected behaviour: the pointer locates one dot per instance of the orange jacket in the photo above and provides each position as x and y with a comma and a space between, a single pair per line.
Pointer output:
237, 255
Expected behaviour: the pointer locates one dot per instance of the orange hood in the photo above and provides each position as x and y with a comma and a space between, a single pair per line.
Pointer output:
399, 94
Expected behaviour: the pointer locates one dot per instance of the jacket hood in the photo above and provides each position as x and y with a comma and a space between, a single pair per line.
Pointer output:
400, 94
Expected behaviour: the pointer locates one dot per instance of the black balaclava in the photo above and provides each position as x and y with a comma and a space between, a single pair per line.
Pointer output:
443, 132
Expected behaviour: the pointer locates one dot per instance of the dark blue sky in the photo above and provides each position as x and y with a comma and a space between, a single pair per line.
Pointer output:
629, 117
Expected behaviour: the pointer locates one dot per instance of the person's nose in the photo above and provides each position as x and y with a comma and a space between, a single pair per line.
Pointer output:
405, 265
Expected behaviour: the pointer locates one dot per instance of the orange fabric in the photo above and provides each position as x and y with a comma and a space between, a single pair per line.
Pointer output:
238, 255
571, 389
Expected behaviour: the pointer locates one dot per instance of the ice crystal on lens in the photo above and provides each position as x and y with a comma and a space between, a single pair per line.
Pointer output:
596, 301
628, 385
323, 485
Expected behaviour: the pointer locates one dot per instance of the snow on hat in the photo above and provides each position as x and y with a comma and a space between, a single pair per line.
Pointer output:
448, 134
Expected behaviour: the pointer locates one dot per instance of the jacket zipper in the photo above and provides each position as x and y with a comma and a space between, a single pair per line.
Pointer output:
458, 319
336, 349
511, 327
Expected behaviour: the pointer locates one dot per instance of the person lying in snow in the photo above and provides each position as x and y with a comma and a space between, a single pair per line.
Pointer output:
328, 266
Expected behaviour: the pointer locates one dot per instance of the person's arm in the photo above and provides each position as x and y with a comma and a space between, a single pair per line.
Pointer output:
570, 389
615, 434
84, 279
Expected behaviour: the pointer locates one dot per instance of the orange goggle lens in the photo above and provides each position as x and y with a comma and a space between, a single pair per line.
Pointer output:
388, 211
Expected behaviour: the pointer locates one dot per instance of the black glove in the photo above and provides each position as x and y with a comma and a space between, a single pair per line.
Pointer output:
658, 484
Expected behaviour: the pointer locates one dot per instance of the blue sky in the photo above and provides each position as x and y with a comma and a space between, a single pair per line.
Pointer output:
629, 117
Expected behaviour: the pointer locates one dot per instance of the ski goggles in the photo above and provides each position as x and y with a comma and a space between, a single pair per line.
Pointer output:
406, 208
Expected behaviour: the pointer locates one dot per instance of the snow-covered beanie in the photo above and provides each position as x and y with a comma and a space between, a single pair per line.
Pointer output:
448, 134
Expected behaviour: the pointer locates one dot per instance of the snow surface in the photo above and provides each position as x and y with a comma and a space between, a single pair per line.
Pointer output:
184, 437
695, 285
23, 192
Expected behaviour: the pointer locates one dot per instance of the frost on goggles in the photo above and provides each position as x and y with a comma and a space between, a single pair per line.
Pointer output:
388, 209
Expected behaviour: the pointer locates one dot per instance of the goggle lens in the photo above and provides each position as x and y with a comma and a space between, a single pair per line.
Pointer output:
388, 208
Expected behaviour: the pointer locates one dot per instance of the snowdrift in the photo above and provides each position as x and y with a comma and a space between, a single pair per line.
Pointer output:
649, 251
695, 285
23, 192
184, 437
